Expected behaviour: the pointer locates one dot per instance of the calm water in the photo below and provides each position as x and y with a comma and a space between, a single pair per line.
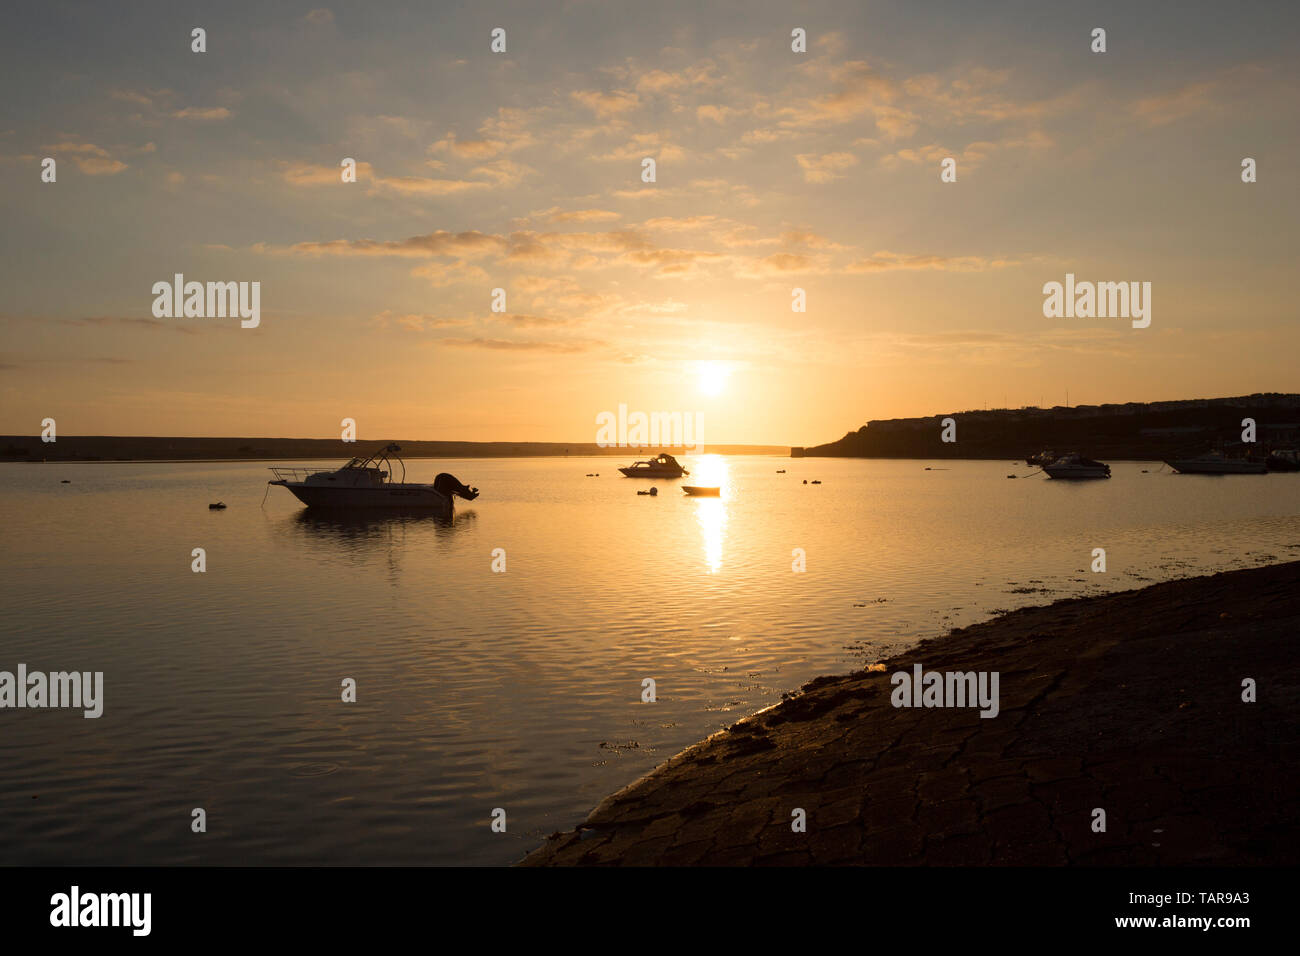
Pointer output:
520, 690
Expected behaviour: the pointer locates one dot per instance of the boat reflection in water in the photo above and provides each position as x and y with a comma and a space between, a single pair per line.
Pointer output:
711, 512
392, 539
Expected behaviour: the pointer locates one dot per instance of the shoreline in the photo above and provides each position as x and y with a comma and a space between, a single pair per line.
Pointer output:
1128, 702
622, 453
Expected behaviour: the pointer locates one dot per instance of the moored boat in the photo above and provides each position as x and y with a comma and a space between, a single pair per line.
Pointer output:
701, 492
1283, 459
368, 484
661, 466
1076, 466
1216, 463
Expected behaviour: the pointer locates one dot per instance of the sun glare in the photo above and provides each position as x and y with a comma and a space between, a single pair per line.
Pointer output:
713, 377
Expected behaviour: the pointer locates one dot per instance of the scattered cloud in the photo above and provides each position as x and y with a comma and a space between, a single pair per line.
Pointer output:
892, 262
90, 159
205, 114
606, 105
825, 168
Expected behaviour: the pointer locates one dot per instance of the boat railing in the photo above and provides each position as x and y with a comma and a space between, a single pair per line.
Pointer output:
296, 474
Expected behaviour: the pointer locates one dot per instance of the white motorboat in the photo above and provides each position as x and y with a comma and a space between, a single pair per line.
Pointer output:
1076, 466
1215, 463
661, 466
368, 483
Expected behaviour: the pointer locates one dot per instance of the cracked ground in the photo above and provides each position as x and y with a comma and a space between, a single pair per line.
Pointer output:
1130, 702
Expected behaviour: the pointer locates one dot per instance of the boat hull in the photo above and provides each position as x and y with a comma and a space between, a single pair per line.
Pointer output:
1077, 474
702, 492
651, 473
1218, 467
396, 497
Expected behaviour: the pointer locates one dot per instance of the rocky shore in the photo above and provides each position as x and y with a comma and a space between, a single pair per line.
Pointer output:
1130, 703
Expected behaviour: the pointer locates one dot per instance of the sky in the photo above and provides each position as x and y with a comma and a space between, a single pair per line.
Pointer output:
523, 171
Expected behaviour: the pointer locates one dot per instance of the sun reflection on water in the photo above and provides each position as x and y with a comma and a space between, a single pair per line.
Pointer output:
712, 471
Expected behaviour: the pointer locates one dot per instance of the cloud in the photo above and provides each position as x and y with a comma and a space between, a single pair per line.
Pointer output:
710, 112
895, 123
973, 155
500, 174
760, 137
469, 148
893, 262
204, 114
858, 90
527, 321
439, 274
606, 105
503, 172
1169, 107
469, 244
415, 321
977, 94
678, 223
785, 262
825, 168
642, 145
305, 174
423, 186
628, 247
555, 215
131, 96
133, 323
92, 160
660, 81
806, 237
506, 345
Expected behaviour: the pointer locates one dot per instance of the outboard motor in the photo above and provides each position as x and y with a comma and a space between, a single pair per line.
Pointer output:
451, 485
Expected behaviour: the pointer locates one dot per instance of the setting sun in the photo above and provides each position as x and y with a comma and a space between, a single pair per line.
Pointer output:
713, 377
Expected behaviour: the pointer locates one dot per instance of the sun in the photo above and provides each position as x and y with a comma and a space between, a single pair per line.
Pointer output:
713, 377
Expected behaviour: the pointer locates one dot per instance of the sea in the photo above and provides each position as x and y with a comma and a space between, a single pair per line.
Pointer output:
282, 687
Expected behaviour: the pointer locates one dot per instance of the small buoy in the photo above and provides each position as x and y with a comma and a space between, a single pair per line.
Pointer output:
780, 471
654, 491
219, 506
805, 481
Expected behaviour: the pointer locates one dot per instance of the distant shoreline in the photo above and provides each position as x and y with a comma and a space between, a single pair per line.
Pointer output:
627, 453
1135, 431
111, 448
1129, 702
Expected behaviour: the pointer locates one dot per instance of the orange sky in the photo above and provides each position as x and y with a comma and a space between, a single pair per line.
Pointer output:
522, 171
